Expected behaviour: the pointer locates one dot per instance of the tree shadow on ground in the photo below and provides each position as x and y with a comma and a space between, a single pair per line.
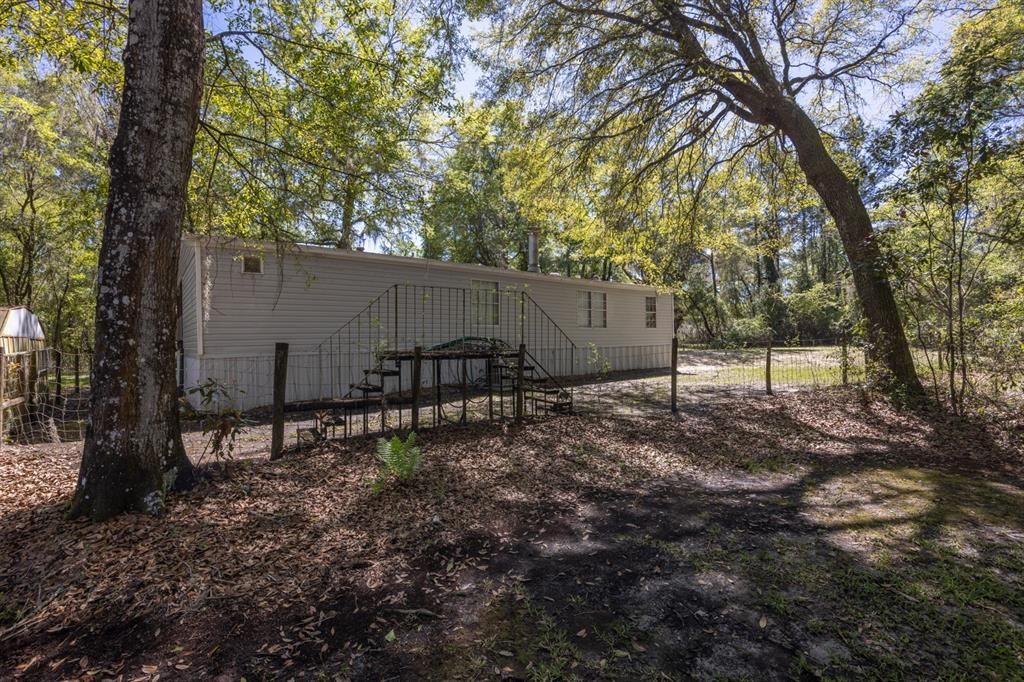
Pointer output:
849, 568
766, 538
738, 583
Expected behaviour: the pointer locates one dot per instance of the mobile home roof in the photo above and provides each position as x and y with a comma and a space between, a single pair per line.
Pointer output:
332, 252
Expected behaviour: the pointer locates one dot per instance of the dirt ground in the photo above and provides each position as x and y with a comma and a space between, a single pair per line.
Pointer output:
807, 535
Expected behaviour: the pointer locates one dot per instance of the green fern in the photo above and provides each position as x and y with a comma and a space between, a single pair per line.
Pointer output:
398, 459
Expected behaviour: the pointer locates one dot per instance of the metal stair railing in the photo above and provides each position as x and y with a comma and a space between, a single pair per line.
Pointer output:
405, 316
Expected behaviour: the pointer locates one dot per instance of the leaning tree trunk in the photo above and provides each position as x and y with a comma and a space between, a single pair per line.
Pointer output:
887, 343
133, 450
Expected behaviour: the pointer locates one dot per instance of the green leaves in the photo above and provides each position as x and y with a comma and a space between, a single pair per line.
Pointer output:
954, 203
398, 459
53, 141
472, 213
314, 119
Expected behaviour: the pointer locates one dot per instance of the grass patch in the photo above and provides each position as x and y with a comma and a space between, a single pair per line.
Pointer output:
516, 637
771, 464
918, 601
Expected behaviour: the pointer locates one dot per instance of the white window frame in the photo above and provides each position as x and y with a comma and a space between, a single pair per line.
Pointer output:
481, 289
589, 302
651, 312
247, 259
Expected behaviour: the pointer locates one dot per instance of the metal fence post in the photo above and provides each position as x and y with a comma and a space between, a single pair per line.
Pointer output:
768, 368
675, 373
520, 375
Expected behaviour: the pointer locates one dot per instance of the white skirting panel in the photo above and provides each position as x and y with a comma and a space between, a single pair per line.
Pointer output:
248, 381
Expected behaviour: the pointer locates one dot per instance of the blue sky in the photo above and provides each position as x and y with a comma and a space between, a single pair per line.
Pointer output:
879, 104
466, 86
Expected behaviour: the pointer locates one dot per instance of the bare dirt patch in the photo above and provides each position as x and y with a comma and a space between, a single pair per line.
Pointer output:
802, 535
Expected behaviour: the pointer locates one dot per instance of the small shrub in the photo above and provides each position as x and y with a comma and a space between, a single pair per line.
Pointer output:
744, 332
398, 459
598, 361
221, 425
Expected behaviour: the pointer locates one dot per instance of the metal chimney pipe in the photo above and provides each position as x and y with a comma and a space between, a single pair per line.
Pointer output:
532, 264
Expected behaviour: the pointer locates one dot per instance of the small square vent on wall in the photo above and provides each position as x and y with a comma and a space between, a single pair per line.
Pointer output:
252, 265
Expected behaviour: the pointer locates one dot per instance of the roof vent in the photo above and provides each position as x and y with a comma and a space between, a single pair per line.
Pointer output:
531, 252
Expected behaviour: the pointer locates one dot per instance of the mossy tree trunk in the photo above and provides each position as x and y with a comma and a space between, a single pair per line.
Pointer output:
133, 451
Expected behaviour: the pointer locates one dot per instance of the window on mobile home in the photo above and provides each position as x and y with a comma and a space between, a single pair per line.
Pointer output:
486, 307
591, 309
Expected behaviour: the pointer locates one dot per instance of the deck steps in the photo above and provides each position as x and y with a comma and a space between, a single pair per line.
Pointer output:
366, 387
380, 371
522, 353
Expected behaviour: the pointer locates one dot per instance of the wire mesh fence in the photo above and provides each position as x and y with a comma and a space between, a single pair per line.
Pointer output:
703, 369
45, 392
451, 386
44, 396
772, 368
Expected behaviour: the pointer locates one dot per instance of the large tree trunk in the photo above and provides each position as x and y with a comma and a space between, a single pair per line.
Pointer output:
133, 450
887, 343
348, 219
766, 104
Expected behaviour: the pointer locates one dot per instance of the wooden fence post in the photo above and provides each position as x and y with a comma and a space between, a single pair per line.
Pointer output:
26, 376
465, 393
280, 380
768, 368
59, 371
520, 378
417, 368
437, 391
675, 373
3, 395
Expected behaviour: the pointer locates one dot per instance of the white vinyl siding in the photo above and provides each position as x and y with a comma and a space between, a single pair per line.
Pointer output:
305, 296
592, 309
486, 303
232, 320
187, 286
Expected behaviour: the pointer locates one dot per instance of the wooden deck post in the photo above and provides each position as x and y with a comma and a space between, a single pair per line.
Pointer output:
768, 368
520, 398
675, 373
280, 380
320, 371
417, 368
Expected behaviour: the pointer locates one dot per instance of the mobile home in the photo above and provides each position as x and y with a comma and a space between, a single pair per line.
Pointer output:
338, 308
